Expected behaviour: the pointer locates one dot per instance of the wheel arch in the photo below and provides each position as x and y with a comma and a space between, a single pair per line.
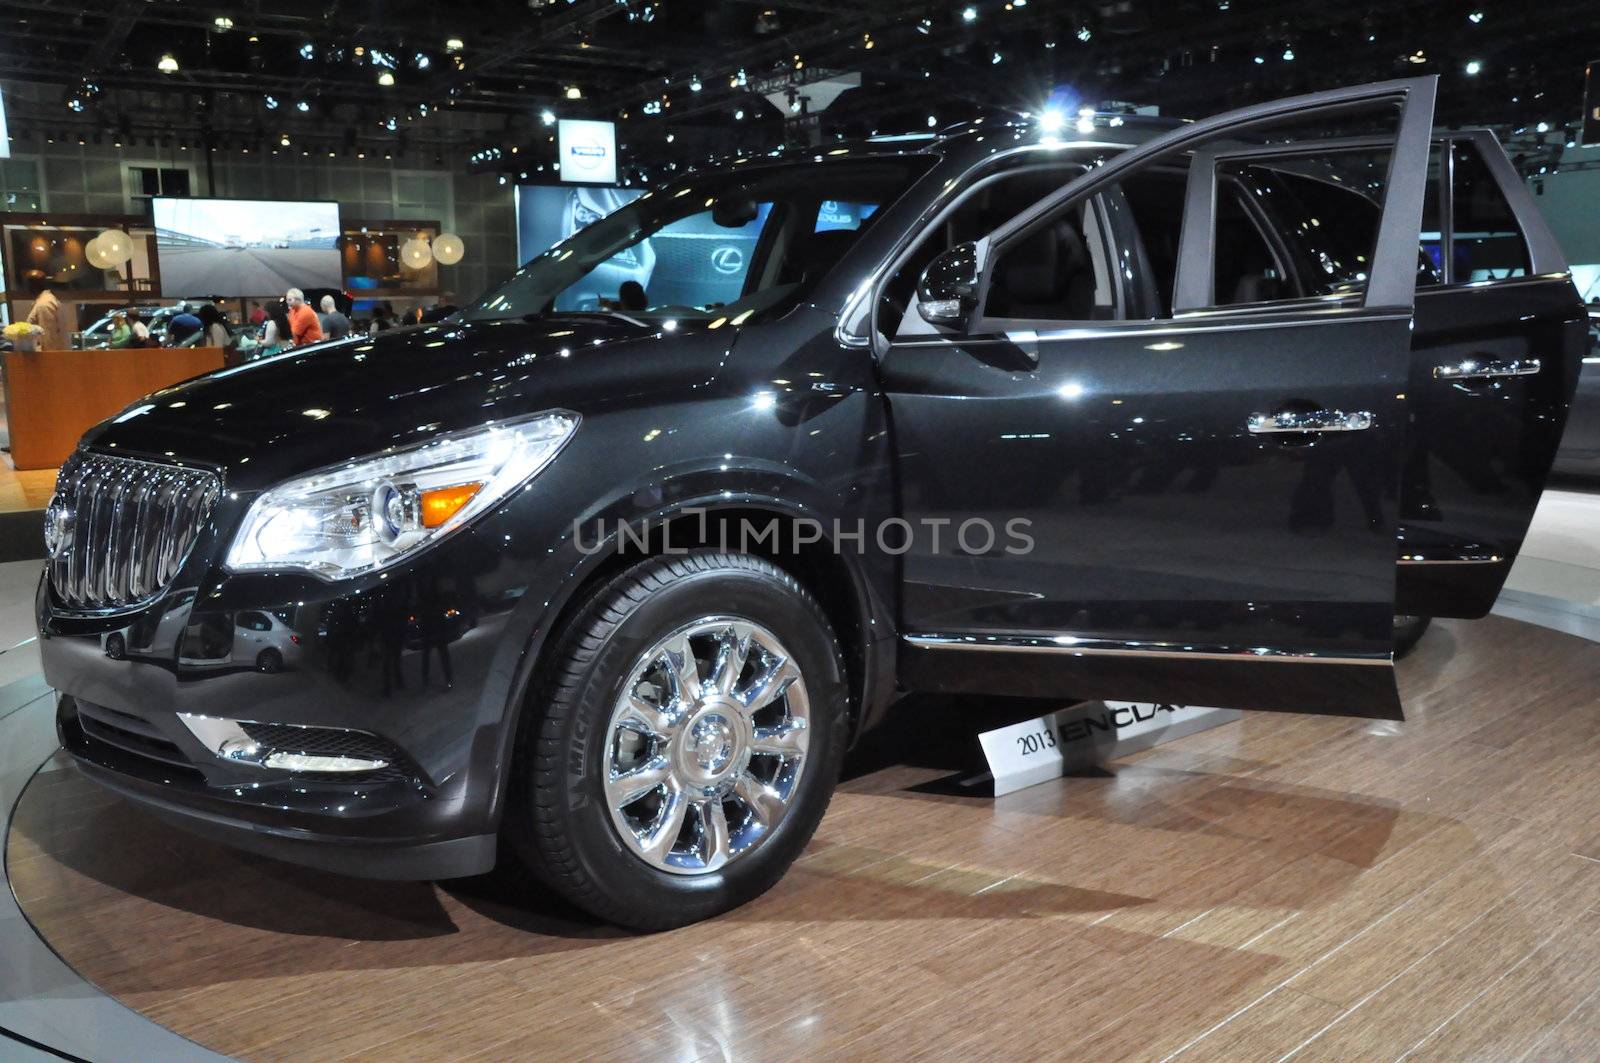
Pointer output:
859, 611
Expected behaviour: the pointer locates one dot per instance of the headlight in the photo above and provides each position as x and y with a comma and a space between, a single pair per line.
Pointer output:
376, 511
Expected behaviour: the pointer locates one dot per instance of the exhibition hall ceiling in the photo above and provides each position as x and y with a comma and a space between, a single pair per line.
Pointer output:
683, 76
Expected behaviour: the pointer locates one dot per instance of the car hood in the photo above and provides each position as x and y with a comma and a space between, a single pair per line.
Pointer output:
265, 421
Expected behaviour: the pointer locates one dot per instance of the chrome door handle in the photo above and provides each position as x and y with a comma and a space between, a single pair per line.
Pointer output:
1488, 368
1313, 421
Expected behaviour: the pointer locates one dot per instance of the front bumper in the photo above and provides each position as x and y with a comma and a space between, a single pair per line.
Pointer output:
249, 821
351, 826
429, 663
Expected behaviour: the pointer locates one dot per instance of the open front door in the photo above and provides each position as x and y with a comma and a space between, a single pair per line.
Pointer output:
1177, 396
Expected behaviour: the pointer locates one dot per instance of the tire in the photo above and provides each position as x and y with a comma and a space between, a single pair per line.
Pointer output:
269, 661
560, 821
116, 646
1408, 631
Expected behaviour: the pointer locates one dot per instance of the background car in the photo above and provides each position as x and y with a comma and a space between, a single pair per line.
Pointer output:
254, 638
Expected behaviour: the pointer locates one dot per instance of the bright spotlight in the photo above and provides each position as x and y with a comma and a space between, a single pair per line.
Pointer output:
1051, 121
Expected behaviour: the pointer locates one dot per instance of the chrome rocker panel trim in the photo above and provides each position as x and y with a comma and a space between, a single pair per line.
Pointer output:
1074, 646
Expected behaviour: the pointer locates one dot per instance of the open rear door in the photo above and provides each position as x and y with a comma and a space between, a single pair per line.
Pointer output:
1500, 339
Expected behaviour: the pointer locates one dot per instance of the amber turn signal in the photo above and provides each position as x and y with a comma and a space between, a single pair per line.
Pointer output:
442, 503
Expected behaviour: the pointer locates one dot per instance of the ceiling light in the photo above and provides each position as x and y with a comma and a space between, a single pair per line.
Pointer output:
453, 44
969, 14
271, 102
1475, 18
738, 115
168, 64
695, 86
223, 23
302, 106
308, 50
386, 79
1258, 60
1051, 121
1473, 67
1542, 127
283, 139
1084, 34
1288, 55
421, 61
547, 116
574, 92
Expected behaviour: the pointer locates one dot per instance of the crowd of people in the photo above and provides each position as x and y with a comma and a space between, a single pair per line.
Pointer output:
269, 327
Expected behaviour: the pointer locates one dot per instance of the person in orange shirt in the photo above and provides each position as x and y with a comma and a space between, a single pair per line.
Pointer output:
303, 322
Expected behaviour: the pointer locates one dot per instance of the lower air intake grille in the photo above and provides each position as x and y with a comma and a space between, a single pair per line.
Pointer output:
118, 529
331, 742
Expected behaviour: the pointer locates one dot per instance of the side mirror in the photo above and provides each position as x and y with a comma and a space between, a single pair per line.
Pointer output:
948, 291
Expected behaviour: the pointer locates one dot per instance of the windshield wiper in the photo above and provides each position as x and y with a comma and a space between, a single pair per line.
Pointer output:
614, 315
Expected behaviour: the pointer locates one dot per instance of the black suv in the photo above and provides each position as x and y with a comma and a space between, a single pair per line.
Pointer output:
1147, 410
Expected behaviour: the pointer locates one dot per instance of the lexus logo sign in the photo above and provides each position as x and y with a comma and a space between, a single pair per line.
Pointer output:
727, 260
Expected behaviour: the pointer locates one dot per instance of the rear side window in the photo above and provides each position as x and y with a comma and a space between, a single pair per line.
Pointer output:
1323, 208
1487, 242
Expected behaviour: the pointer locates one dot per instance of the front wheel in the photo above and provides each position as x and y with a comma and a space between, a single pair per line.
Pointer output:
691, 727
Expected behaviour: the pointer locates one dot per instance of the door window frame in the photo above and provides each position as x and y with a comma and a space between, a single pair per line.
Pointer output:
1391, 284
1545, 257
989, 172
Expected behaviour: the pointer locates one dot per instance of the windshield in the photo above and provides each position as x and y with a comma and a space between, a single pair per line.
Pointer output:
726, 245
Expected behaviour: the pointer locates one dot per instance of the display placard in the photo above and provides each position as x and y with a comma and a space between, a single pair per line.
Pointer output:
5, 137
588, 151
1037, 750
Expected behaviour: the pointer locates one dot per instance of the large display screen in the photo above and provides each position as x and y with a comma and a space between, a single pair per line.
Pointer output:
245, 247
548, 214
588, 151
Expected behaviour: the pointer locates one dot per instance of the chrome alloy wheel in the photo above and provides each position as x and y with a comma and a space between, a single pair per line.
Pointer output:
706, 745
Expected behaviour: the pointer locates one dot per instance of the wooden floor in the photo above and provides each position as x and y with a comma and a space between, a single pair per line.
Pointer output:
1306, 886
24, 490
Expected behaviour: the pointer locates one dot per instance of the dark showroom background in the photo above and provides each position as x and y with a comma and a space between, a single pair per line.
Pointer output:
192, 187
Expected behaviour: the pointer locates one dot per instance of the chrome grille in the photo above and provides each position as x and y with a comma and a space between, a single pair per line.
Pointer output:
118, 529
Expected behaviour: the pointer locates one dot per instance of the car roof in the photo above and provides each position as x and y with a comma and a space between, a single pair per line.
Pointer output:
964, 142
